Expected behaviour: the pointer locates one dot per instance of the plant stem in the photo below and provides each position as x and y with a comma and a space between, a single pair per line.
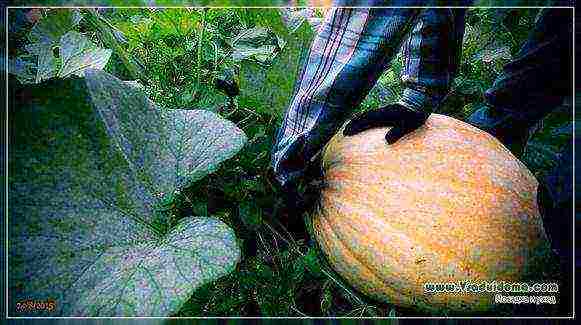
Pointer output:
171, 20
109, 40
199, 51
323, 267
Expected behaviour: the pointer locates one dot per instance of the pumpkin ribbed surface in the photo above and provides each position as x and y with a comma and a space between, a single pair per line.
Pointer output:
446, 203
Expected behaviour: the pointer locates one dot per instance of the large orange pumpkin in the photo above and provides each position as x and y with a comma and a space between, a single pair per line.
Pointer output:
446, 203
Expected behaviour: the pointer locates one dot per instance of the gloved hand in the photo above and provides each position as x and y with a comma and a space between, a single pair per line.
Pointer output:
299, 196
402, 119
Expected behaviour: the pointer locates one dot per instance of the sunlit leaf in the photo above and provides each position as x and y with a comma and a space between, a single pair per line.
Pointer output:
492, 54
294, 17
257, 44
78, 54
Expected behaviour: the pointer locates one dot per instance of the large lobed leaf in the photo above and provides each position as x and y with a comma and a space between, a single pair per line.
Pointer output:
270, 90
89, 163
46, 63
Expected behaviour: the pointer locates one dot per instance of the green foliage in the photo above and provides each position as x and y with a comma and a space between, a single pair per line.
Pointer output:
55, 49
268, 92
555, 132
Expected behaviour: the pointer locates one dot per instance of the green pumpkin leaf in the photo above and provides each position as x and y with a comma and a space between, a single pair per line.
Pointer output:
548, 142
293, 18
78, 54
258, 44
90, 162
250, 214
57, 22
268, 91
47, 64
23, 69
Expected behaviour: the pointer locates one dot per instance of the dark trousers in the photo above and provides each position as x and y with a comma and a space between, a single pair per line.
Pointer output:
540, 75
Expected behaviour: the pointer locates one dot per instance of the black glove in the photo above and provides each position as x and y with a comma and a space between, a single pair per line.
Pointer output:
402, 119
303, 193
300, 196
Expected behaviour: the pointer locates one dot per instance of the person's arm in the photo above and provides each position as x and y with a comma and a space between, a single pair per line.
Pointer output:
532, 84
352, 49
431, 57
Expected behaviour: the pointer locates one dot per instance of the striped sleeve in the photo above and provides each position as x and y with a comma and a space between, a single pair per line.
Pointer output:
347, 56
432, 53
351, 50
